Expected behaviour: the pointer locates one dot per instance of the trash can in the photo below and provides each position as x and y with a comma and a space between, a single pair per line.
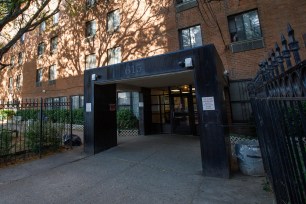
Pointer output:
249, 158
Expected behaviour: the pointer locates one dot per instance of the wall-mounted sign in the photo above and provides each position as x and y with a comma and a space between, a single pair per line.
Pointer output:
88, 107
133, 69
208, 103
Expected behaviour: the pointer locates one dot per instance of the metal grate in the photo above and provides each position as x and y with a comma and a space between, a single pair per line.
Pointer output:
132, 132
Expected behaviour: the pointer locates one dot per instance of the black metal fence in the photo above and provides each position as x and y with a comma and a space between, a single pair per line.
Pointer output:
34, 127
279, 104
242, 120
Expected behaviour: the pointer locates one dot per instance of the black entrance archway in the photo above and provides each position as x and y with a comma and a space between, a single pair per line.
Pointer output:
201, 65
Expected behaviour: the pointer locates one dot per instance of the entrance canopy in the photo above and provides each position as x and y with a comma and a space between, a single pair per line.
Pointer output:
200, 68
160, 80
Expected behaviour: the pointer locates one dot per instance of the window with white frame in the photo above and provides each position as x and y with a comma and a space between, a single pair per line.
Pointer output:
22, 38
90, 61
90, 3
114, 55
41, 49
52, 73
11, 83
90, 28
39, 75
55, 18
56, 103
77, 102
191, 37
113, 20
42, 27
18, 81
20, 57
244, 26
12, 61
183, 1
53, 44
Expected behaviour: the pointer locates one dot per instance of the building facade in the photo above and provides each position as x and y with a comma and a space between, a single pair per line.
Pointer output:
49, 62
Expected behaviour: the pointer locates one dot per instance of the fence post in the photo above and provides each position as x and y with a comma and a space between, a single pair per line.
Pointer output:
71, 122
41, 126
293, 45
279, 58
274, 64
286, 52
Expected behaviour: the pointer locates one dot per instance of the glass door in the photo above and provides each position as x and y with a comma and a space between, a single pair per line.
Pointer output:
180, 115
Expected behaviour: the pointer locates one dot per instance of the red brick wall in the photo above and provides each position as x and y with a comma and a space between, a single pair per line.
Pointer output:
147, 28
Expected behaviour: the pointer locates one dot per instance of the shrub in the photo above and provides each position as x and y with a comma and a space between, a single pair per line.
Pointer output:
5, 142
28, 114
78, 116
126, 119
6, 114
54, 115
51, 136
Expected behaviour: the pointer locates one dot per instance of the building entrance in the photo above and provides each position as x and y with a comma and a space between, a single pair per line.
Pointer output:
181, 123
175, 91
174, 110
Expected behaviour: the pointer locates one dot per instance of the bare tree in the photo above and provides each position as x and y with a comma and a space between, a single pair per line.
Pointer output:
20, 16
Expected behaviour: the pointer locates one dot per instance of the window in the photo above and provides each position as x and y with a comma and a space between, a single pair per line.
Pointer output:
90, 28
20, 58
183, 1
90, 61
55, 18
114, 55
22, 38
10, 85
244, 26
182, 5
52, 73
41, 49
191, 37
56, 103
77, 102
113, 20
42, 27
90, 3
12, 61
53, 44
18, 81
39, 76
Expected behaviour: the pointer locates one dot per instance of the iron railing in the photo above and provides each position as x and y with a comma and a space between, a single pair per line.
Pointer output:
35, 127
279, 104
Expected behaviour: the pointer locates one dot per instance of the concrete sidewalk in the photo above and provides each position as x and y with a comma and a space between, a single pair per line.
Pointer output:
141, 169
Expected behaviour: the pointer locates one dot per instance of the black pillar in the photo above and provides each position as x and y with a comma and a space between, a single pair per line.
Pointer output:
214, 138
145, 113
105, 125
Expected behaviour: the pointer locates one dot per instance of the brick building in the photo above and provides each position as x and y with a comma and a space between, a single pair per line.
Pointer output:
49, 62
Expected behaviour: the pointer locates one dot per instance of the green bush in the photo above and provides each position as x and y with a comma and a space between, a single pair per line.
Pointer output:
54, 115
78, 116
28, 114
6, 114
5, 142
51, 136
126, 119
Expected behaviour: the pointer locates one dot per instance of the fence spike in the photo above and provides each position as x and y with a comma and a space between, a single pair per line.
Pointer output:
274, 64
279, 57
269, 68
293, 45
286, 52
